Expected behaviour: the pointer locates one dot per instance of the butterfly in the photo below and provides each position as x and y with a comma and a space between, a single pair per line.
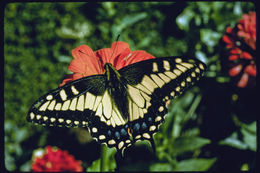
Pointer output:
121, 106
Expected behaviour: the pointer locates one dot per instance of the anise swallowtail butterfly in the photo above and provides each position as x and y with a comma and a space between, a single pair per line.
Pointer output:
122, 106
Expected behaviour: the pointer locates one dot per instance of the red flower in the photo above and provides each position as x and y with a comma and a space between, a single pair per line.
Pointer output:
247, 29
87, 63
55, 160
241, 42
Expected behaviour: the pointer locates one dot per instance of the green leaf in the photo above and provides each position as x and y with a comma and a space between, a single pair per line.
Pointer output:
64, 58
95, 166
210, 37
9, 161
195, 164
108, 161
78, 31
183, 20
161, 167
250, 127
20, 135
237, 8
109, 6
26, 167
249, 137
191, 132
233, 141
201, 55
222, 79
184, 144
127, 21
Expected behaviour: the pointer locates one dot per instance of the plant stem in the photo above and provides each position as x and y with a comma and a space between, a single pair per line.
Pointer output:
193, 107
103, 158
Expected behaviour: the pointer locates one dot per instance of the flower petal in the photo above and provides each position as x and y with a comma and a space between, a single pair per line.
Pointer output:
105, 55
235, 51
251, 70
111, 55
246, 55
243, 81
235, 70
119, 47
77, 66
56, 160
226, 39
90, 64
120, 61
137, 56
233, 57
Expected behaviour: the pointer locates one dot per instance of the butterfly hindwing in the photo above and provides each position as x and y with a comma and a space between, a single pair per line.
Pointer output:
108, 125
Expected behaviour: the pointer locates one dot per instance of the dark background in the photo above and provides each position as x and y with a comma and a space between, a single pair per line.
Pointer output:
210, 127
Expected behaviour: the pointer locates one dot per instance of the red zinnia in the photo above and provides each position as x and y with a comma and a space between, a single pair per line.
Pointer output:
87, 63
55, 160
241, 42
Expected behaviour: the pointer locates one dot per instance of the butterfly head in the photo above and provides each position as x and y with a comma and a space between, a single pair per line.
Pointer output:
111, 73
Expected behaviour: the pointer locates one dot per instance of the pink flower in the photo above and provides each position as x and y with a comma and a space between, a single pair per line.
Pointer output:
241, 43
55, 160
87, 63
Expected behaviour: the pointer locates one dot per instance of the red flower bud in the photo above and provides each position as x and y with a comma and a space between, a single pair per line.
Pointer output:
246, 55
251, 70
229, 29
226, 39
235, 51
235, 70
243, 81
233, 57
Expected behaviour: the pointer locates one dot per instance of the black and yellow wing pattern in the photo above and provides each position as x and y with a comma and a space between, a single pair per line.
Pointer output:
119, 109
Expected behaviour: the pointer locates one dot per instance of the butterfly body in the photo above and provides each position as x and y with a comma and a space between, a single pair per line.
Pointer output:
116, 86
121, 106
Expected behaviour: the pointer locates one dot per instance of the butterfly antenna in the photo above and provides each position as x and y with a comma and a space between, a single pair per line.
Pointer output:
117, 38
86, 54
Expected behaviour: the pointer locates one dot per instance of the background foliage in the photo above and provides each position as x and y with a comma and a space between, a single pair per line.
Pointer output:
210, 127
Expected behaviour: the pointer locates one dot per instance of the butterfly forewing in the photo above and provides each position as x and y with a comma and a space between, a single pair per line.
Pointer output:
69, 105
